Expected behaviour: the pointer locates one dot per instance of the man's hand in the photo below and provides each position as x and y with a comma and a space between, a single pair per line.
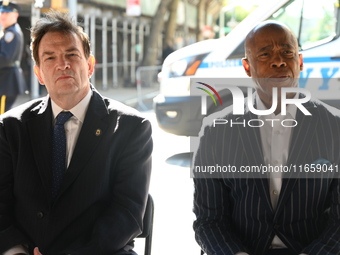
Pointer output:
36, 251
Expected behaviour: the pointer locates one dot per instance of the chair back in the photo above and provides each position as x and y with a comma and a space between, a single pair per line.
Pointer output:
148, 225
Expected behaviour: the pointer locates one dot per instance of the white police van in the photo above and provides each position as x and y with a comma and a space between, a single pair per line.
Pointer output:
315, 23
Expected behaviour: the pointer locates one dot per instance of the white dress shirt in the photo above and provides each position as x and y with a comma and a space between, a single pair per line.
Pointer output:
72, 129
74, 124
275, 139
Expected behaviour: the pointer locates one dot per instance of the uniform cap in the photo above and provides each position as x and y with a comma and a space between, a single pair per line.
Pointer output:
7, 6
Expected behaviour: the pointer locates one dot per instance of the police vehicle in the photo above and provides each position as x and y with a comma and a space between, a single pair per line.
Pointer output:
314, 22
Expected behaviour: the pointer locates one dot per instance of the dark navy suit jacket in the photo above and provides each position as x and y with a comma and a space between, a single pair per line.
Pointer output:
235, 214
102, 200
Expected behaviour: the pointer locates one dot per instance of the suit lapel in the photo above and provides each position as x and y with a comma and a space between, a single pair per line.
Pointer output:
93, 131
39, 129
300, 142
251, 139
299, 146
302, 134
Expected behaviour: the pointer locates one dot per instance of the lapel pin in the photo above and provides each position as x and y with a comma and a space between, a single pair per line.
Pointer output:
98, 132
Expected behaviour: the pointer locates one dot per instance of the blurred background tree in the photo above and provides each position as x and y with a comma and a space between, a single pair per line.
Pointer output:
156, 28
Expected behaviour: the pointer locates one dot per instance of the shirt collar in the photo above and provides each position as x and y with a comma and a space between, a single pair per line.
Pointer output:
291, 108
78, 111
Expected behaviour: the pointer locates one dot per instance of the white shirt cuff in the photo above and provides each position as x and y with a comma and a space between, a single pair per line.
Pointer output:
16, 249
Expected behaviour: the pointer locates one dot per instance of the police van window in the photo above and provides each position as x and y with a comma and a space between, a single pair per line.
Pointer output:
313, 24
238, 52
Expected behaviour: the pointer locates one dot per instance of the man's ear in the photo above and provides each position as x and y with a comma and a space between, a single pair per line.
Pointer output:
246, 66
301, 61
37, 73
91, 63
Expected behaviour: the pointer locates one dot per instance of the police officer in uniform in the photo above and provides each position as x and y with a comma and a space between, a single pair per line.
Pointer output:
12, 80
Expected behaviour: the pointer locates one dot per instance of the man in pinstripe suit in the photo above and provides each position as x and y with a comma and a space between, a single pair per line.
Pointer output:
283, 214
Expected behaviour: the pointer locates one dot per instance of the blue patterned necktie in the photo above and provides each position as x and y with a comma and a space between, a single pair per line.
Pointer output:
59, 152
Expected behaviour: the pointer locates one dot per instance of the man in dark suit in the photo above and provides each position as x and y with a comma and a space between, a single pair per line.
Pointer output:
96, 204
287, 212
12, 81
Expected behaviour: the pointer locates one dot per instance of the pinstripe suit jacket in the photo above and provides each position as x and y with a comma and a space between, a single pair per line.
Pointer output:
234, 214
101, 203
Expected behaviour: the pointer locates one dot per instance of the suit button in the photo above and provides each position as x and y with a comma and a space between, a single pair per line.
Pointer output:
40, 215
276, 226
